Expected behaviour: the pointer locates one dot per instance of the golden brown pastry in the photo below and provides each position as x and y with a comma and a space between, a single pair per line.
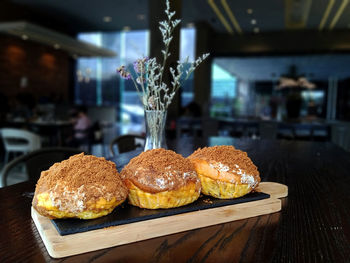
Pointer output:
161, 178
84, 186
224, 171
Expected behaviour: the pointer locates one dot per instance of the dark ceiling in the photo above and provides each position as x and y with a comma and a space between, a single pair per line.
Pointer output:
269, 15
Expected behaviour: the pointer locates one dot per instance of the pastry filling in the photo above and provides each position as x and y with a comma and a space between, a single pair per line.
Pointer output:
89, 210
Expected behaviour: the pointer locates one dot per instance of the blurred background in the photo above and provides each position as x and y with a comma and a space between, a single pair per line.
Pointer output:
278, 70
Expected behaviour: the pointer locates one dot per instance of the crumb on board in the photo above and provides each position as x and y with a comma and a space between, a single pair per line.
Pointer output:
207, 201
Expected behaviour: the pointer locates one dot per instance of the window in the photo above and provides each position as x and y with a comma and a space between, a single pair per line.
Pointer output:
254, 89
97, 82
187, 50
223, 92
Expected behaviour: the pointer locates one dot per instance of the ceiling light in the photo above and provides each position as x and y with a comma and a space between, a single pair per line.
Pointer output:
56, 46
107, 19
190, 25
249, 11
126, 28
141, 17
253, 21
221, 17
24, 37
256, 30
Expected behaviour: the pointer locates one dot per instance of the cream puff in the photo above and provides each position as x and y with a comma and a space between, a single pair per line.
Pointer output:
161, 178
225, 172
83, 186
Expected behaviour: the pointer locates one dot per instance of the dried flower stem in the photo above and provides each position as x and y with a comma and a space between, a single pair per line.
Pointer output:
156, 95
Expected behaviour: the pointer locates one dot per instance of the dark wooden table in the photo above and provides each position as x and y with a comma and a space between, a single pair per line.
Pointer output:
313, 226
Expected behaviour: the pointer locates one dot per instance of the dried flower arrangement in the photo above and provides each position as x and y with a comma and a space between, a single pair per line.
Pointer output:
153, 92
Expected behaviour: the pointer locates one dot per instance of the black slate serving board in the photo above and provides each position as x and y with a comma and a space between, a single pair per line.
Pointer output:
126, 214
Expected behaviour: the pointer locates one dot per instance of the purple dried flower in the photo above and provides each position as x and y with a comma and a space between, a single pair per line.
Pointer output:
140, 65
123, 72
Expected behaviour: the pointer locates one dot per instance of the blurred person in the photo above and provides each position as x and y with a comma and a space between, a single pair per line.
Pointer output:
82, 125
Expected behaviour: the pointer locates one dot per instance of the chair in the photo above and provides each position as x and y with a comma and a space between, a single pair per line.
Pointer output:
125, 143
17, 140
303, 131
321, 132
37, 161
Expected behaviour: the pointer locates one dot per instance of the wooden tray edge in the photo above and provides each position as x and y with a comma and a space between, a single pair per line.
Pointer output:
63, 246
275, 190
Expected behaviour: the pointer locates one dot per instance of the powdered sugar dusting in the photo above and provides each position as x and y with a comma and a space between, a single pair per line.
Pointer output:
188, 174
71, 201
166, 180
160, 182
159, 170
248, 179
220, 167
191, 176
245, 178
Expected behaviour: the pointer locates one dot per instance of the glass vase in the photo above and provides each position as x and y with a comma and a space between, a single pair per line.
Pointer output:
155, 129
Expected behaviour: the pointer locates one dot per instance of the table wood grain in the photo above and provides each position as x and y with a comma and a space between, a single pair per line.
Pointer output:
313, 226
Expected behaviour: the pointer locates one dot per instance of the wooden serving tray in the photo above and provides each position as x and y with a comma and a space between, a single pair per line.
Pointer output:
62, 246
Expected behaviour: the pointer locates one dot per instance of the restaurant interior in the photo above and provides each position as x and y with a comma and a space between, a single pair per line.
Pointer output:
277, 72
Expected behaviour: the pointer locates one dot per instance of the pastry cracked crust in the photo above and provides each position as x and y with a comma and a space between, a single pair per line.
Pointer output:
225, 172
161, 178
83, 186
